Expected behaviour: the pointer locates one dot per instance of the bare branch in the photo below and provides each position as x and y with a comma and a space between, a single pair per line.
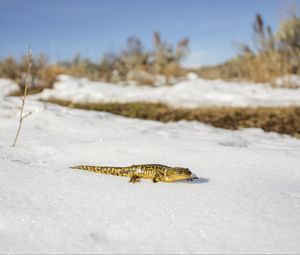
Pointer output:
27, 84
28, 114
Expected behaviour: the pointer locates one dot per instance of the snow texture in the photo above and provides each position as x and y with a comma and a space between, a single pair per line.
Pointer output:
192, 92
247, 198
291, 80
7, 86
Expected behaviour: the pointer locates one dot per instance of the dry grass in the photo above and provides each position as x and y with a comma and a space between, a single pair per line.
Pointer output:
132, 63
284, 120
48, 74
254, 68
273, 55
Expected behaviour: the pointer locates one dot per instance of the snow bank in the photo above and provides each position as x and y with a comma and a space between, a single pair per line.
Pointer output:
247, 199
7, 86
190, 93
292, 81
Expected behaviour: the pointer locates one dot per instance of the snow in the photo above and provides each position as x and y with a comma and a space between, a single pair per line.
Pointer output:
291, 80
192, 92
7, 87
247, 198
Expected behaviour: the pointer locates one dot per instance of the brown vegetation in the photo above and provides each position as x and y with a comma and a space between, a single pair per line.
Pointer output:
272, 56
131, 63
137, 64
284, 120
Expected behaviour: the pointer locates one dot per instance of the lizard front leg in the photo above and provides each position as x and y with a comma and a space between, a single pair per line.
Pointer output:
134, 178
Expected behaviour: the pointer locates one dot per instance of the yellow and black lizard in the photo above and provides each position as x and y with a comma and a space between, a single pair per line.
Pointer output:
158, 173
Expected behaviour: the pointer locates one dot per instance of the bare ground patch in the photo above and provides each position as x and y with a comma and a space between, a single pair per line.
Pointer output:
284, 120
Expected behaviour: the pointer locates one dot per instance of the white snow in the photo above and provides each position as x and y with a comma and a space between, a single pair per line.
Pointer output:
192, 92
291, 80
7, 86
247, 198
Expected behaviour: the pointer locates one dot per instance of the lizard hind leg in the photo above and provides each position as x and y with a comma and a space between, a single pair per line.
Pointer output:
134, 179
156, 178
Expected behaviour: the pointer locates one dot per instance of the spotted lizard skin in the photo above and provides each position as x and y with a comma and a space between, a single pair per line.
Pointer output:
155, 172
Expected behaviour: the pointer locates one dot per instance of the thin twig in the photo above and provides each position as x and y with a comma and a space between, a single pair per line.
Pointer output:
27, 83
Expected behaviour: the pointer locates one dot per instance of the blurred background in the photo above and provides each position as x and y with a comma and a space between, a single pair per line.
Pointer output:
120, 40
159, 44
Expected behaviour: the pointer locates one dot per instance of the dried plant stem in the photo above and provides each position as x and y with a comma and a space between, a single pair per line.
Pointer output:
27, 83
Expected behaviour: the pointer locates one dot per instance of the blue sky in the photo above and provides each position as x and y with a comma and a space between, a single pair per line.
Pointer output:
62, 28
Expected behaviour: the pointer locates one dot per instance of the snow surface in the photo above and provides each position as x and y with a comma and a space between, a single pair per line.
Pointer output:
292, 80
7, 86
247, 198
192, 92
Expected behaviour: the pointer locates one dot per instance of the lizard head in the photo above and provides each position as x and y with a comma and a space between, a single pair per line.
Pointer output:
177, 174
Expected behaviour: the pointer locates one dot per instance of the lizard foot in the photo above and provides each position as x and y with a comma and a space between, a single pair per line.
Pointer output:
134, 179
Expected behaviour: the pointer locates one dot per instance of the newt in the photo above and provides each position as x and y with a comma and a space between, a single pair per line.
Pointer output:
155, 172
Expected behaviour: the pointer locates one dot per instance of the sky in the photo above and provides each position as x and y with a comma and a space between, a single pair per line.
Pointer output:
63, 28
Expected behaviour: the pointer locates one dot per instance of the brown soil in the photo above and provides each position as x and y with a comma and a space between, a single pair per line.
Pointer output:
284, 120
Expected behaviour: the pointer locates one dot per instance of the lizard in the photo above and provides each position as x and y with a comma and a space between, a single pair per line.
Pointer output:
156, 172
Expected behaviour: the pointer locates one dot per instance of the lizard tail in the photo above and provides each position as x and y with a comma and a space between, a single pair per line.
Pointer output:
103, 169
87, 168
